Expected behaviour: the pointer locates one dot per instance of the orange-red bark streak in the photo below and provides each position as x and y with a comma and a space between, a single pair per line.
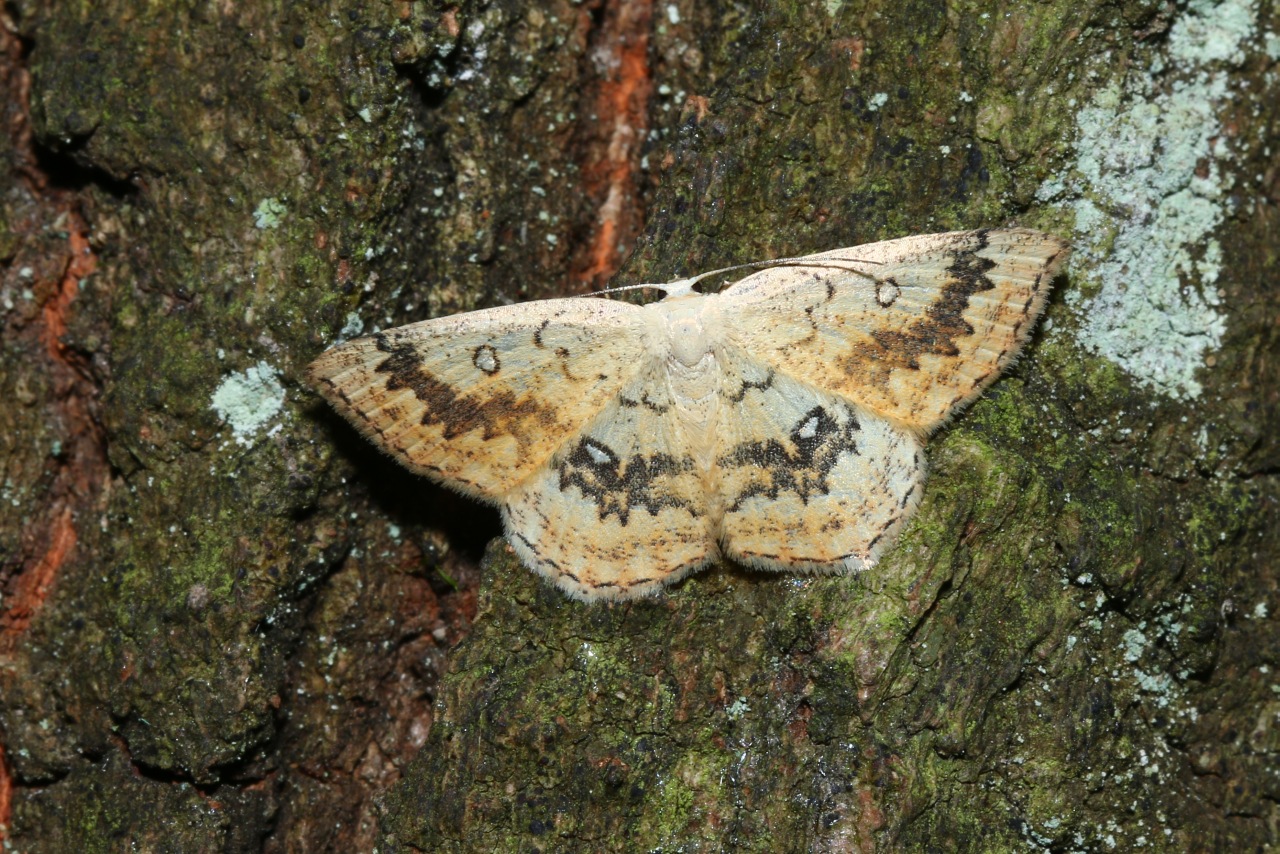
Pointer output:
32, 587
79, 481
6, 796
622, 106
80, 265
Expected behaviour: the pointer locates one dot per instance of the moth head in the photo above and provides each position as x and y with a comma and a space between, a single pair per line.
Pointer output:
679, 289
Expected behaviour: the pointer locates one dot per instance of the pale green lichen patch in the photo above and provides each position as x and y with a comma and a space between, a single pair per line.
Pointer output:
1271, 45
248, 399
1149, 187
1135, 643
269, 213
1213, 32
351, 327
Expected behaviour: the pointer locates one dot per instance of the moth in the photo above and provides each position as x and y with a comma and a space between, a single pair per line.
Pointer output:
778, 423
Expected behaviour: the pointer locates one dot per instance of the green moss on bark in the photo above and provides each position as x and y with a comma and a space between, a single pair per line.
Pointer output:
1079, 619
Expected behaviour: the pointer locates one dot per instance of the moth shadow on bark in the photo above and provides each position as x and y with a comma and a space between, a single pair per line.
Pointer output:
449, 528
772, 584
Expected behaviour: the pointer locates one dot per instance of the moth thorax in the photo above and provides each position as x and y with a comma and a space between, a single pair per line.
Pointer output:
689, 344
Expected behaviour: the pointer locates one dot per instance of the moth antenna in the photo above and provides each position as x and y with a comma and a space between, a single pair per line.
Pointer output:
798, 261
619, 289
682, 286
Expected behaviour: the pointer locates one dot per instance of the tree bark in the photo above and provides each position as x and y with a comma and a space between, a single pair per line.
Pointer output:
227, 623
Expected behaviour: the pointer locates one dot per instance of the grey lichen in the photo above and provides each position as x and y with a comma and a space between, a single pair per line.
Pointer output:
1149, 186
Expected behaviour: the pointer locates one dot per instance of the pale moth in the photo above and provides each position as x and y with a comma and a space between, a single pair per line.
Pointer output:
778, 423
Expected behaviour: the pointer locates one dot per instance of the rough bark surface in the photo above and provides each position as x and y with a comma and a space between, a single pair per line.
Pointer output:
226, 623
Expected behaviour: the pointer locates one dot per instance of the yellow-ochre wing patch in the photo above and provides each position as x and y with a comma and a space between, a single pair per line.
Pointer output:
808, 480
622, 508
910, 329
479, 401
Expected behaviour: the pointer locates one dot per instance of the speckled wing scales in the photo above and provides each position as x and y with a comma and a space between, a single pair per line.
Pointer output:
808, 480
480, 401
622, 508
910, 329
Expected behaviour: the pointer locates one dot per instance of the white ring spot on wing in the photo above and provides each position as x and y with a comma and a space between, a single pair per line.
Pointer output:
887, 292
486, 359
